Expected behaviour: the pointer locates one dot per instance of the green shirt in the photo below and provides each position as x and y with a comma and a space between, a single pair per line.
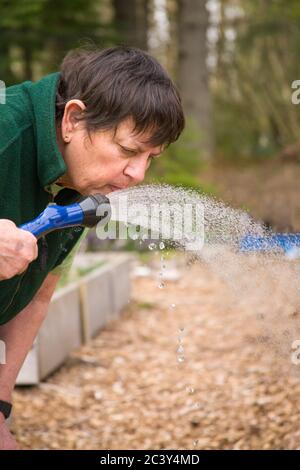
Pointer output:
30, 161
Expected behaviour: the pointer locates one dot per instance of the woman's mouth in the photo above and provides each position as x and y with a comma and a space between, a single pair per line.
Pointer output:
115, 188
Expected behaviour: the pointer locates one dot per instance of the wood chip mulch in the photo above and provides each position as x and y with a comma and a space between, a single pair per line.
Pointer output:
184, 367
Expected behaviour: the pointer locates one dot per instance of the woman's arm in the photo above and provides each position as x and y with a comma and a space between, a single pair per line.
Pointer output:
18, 335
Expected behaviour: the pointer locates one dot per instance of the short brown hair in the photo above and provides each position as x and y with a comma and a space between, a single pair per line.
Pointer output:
118, 83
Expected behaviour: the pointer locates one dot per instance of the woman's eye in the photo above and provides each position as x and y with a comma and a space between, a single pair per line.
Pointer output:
128, 151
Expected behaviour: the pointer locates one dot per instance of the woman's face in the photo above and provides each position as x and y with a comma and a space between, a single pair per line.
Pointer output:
105, 161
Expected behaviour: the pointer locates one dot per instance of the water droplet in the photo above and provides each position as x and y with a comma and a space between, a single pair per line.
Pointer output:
190, 390
196, 406
172, 306
161, 245
161, 285
152, 246
195, 443
180, 358
180, 350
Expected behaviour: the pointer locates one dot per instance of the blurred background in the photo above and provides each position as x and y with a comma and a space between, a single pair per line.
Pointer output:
188, 366
234, 62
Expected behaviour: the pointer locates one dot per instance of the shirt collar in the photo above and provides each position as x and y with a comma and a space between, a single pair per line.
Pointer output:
50, 162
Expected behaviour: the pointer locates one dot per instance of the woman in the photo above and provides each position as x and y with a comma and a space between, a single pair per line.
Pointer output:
91, 128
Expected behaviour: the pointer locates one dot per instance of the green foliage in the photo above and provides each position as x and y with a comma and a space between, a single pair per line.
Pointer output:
181, 164
253, 113
75, 273
146, 305
239, 136
35, 35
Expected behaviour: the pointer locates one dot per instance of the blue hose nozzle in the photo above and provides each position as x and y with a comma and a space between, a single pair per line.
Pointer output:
87, 212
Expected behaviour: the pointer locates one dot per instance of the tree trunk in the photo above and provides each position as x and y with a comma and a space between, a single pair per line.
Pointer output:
6, 73
193, 20
131, 19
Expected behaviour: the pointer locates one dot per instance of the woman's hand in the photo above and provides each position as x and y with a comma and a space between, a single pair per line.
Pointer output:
18, 248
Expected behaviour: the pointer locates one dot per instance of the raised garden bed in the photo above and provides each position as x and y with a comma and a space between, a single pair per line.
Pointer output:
78, 310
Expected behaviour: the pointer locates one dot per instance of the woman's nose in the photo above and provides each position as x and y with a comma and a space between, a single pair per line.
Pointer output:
136, 169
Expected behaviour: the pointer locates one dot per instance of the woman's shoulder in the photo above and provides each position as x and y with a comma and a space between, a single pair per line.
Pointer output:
15, 114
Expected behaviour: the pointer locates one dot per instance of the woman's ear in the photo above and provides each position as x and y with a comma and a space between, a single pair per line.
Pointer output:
69, 121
